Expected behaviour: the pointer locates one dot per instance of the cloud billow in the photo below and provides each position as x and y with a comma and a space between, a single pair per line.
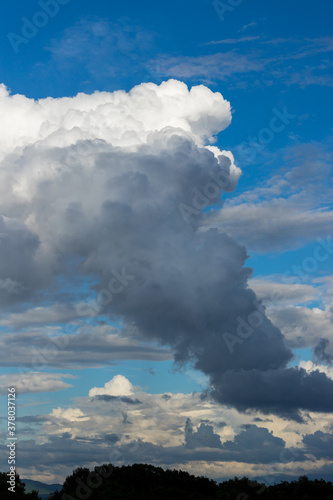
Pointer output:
99, 180
203, 437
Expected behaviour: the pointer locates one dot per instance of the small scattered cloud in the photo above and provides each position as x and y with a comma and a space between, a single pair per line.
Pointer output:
70, 414
232, 41
252, 24
118, 386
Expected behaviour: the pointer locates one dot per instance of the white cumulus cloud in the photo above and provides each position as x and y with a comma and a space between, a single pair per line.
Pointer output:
119, 118
118, 386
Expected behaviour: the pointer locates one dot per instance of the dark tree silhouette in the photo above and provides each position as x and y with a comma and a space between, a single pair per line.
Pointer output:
19, 489
147, 482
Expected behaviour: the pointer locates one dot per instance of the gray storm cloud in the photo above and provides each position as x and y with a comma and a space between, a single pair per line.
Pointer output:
112, 187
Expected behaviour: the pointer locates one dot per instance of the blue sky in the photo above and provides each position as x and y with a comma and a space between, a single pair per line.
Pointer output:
272, 61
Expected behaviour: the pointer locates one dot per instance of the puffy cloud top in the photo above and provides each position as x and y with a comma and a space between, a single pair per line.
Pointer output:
119, 118
118, 386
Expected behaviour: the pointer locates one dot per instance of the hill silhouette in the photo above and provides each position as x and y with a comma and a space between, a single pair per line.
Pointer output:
20, 493
44, 490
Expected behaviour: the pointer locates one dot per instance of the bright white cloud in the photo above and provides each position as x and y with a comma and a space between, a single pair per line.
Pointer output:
309, 366
119, 118
69, 414
118, 386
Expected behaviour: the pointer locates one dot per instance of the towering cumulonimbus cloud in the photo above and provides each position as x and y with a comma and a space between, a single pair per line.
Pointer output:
112, 187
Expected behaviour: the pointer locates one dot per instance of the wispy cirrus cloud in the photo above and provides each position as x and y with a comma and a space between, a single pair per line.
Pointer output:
209, 68
101, 49
259, 55
233, 41
247, 26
